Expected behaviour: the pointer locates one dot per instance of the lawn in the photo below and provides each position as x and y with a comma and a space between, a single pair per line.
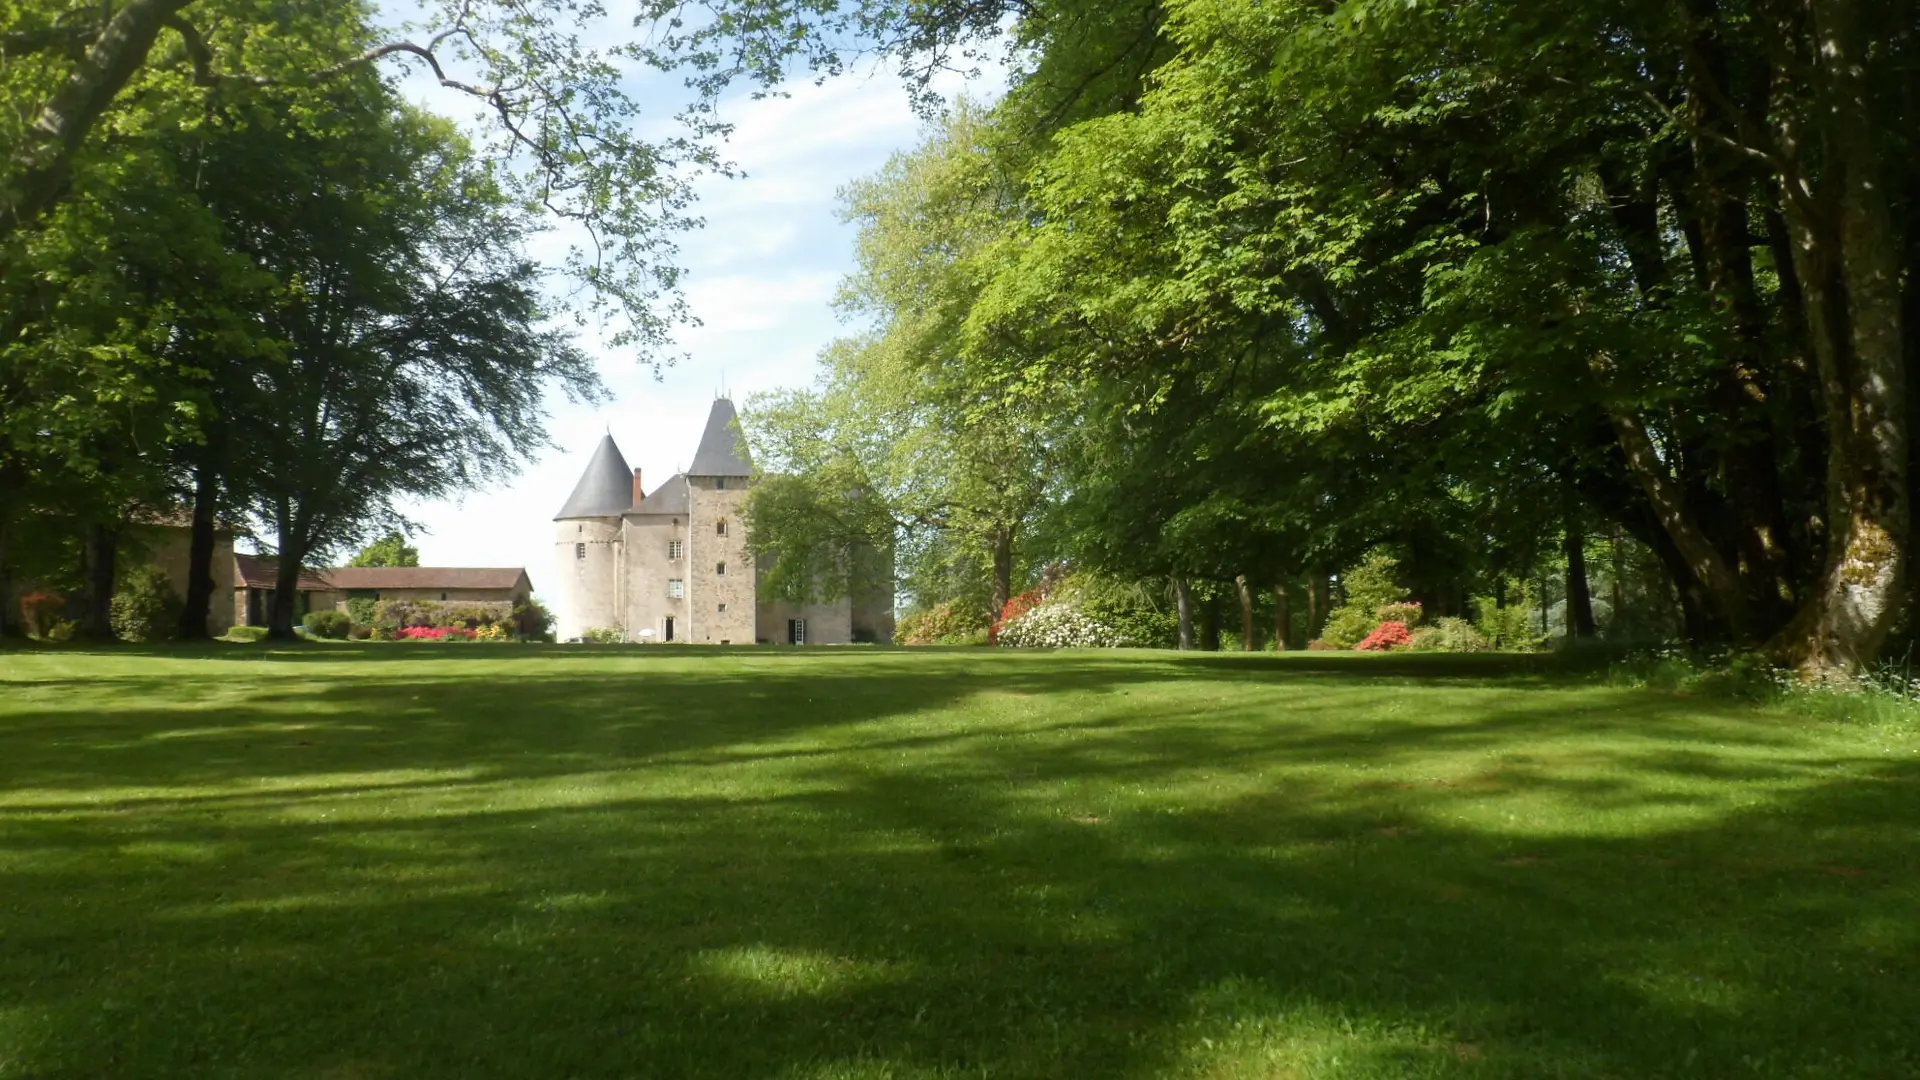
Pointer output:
408, 861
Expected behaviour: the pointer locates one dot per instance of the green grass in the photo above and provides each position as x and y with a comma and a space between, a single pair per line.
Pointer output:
372, 861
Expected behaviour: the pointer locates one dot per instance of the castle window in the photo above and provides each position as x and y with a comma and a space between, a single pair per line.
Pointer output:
673, 550
676, 588
719, 483
720, 527
723, 609
720, 569
579, 551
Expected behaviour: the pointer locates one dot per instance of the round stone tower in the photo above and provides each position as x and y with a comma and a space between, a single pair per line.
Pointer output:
587, 545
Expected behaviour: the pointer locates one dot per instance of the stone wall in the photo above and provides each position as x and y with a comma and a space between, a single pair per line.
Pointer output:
721, 605
586, 586
648, 569
170, 548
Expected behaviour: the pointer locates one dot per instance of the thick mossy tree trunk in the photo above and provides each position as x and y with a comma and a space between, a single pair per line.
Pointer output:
1282, 617
197, 610
1210, 622
1183, 604
1848, 266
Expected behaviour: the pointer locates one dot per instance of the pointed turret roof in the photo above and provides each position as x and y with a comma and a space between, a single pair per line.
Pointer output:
604, 490
723, 451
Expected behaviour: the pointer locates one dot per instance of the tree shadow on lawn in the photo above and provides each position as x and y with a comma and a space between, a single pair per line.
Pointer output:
741, 874
905, 926
122, 733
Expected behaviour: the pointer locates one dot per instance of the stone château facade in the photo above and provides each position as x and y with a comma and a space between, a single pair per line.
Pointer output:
673, 564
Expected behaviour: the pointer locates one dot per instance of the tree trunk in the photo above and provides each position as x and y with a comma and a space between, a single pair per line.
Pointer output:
1579, 599
1210, 623
1183, 603
1282, 617
10, 618
286, 595
1718, 583
1618, 596
197, 611
1850, 273
1002, 540
37, 170
102, 547
1247, 641
1319, 604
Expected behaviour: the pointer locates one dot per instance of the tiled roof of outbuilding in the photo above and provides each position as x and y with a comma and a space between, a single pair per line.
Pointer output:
258, 571
425, 577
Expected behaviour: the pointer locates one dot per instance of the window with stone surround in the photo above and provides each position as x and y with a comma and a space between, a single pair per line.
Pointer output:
579, 551
673, 550
720, 527
676, 588
720, 569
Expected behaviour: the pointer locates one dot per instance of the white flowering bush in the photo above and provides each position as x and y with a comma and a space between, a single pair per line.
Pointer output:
1060, 626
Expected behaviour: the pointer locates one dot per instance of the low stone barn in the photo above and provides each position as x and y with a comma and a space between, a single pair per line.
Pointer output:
332, 588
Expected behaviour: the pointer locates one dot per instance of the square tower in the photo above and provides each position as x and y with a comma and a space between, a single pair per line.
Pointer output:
721, 597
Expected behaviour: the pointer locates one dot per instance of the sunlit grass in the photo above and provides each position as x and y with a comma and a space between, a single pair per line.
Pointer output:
496, 861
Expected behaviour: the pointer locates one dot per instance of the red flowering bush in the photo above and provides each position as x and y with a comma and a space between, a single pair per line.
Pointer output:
433, 633
40, 610
1386, 636
1015, 608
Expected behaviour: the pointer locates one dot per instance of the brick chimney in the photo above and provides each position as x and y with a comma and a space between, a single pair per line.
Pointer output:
638, 491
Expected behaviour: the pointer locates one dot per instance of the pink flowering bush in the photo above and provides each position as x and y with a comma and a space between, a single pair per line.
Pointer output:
433, 633
1386, 636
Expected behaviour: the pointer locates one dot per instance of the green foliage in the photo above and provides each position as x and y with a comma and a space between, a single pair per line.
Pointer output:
1449, 635
390, 550
604, 635
363, 610
245, 634
532, 621
332, 625
145, 607
1366, 588
1514, 626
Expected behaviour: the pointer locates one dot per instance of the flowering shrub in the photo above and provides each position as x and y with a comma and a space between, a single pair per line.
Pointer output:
1449, 635
1015, 608
604, 635
401, 613
494, 632
1401, 611
1385, 636
40, 610
433, 633
1058, 626
951, 623
1366, 589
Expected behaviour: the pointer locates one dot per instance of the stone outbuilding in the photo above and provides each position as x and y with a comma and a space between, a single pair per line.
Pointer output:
673, 564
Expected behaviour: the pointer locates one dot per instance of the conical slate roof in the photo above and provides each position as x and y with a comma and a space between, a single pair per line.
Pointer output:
604, 490
723, 452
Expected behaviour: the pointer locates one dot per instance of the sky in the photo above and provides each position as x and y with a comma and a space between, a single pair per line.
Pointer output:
761, 276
